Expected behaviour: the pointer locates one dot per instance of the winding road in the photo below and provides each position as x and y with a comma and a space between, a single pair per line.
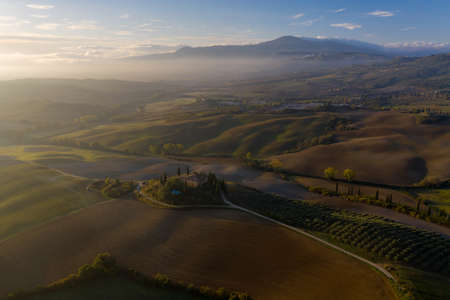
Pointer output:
152, 167
372, 264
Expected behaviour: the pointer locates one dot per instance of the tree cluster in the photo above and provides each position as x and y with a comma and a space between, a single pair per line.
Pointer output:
105, 266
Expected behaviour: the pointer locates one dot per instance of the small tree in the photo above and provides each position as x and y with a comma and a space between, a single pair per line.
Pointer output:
155, 149
349, 175
180, 148
249, 156
276, 165
419, 201
330, 173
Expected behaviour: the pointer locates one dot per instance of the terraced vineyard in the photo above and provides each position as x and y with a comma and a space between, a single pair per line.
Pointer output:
374, 237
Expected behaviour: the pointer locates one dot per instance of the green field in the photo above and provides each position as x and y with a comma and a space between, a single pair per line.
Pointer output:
439, 198
422, 285
219, 134
32, 194
43, 153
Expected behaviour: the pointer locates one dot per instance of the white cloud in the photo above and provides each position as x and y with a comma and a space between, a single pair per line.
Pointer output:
84, 25
348, 26
408, 28
48, 26
418, 45
298, 16
40, 6
148, 30
7, 18
150, 27
381, 13
124, 16
10, 21
123, 32
40, 16
23, 58
307, 22
340, 10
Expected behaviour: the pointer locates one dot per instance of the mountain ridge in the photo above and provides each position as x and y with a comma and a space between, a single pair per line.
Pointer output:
285, 46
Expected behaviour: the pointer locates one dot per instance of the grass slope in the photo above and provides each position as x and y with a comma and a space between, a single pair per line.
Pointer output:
276, 135
423, 285
221, 134
51, 154
438, 197
31, 195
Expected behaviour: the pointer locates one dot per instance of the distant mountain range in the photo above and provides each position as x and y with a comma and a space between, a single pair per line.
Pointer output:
287, 46
303, 48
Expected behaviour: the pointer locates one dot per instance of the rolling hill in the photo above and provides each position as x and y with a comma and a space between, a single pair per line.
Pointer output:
387, 147
400, 80
31, 195
221, 134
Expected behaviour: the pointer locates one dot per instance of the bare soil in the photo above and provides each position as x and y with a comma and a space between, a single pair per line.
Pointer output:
210, 247
386, 147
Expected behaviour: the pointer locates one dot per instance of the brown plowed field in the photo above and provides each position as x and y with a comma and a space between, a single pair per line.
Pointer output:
212, 247
386, 147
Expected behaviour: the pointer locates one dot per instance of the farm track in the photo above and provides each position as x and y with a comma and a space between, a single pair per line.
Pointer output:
372, 264
263, 181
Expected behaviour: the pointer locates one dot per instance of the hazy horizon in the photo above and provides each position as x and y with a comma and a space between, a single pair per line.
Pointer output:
89, 38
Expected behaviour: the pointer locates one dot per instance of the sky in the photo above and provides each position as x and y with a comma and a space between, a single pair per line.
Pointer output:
69, 31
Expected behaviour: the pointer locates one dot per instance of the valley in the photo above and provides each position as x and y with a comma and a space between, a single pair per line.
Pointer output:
296, 168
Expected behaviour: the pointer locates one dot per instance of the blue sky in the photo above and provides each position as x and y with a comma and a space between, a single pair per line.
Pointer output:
69, 30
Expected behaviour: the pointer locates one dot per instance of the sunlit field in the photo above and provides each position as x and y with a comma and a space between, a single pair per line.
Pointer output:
224, 150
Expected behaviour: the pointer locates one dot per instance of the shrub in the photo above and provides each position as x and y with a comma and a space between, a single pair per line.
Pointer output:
104, 265
161, 280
